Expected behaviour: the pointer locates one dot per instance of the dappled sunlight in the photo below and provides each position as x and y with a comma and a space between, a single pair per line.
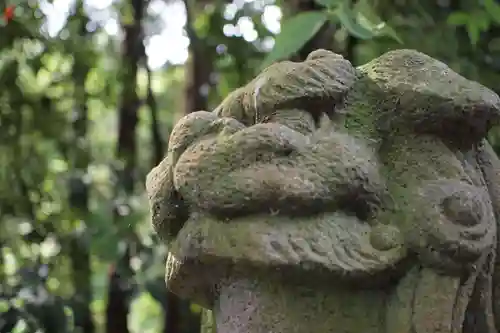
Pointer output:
171, 44
57, 13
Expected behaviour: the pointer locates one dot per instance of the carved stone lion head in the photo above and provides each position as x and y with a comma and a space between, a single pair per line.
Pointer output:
376, 177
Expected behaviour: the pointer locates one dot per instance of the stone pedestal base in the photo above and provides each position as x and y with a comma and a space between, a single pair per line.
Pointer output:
264, 305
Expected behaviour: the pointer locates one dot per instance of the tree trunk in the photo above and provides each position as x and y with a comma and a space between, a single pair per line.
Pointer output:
156, 137
199, 68
120, 277
79, 193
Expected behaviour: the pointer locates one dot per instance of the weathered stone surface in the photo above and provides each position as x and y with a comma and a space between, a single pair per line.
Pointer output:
414, 91
383, 220
319, 84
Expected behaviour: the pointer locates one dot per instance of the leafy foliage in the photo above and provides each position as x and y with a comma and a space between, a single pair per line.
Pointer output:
295, 32
299, 29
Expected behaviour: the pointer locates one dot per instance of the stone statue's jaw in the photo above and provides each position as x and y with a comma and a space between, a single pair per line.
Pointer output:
340, 246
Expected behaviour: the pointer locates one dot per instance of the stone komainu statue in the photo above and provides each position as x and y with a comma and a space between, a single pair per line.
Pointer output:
326, 198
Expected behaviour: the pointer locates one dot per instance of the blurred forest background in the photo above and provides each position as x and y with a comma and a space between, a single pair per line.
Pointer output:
89, 92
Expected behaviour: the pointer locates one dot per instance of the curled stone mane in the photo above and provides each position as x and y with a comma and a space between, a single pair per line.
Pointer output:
400, 193
317, 84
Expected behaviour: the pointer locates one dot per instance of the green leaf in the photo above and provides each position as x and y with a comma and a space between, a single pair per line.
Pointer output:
365, 7
458, 18
329, 3
479, 22
347, 18
295, 32
367, 17
493, 9
475, 23
384, 30
482, 19
474, 33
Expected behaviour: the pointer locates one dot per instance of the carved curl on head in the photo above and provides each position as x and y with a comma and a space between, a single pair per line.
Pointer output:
317, 85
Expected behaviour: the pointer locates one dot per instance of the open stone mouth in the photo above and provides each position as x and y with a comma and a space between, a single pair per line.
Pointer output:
363, 209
